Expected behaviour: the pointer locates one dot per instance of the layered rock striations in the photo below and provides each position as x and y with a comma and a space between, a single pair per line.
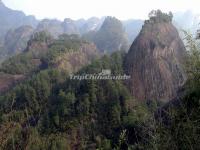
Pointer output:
155, 60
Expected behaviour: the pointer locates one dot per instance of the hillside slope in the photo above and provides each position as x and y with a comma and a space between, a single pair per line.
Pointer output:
67, 54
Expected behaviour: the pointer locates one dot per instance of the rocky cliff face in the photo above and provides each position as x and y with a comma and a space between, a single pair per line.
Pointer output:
11, 19
73, 61
154, 61
16, 40
70, 27
67, 54
56, 27
92, 24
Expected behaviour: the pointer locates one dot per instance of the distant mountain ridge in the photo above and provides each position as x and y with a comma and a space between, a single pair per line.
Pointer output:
132, 28
188, 21
68, 26
11, 19
14, 33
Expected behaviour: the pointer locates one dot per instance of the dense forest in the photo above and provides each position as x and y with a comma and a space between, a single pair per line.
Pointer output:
50, 111
47, 110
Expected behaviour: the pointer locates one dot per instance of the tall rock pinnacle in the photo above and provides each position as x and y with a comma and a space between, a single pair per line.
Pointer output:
155, 59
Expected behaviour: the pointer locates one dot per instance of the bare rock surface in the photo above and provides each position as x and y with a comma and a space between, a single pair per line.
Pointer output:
155, 60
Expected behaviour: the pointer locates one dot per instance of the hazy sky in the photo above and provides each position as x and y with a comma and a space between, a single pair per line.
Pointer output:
122, 9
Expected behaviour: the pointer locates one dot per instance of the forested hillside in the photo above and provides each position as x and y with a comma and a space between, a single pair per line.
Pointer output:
50, 111
44, 107
68, 54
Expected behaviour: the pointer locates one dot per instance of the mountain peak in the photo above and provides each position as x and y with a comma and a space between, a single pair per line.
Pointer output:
154, 61
111, 21
68, 20
157, 16
111, 36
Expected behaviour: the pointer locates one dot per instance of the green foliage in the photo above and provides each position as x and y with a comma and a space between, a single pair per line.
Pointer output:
95, 106
157, 16
19, 64
113, 62
178, 128
65, 44
54, 112
36, 58
192, 65
41, 37
58, 143
24, 63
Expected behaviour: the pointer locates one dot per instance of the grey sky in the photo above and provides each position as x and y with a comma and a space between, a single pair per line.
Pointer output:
122, 9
